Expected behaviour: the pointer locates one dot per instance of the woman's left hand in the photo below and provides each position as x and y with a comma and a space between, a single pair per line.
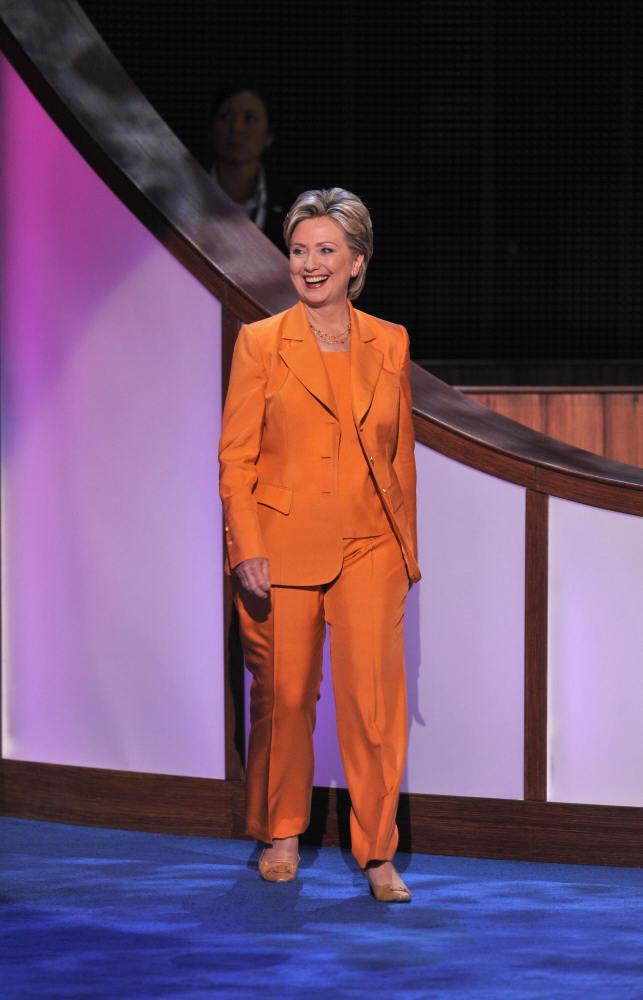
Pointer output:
254, 575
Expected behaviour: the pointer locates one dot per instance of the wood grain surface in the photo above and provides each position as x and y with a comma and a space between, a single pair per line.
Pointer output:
429, 824
607, 422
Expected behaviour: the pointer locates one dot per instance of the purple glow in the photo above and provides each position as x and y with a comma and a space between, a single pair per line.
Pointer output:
464, 640
465, 633
595, 655
112, 602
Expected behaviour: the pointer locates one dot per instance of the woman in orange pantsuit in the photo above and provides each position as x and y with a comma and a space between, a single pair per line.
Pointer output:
318, 489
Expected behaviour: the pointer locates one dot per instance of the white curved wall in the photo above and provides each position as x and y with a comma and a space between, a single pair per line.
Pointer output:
111, 543
111, 547
595, 655
464, 639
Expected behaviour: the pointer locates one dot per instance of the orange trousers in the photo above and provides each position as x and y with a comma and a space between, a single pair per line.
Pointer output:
283, 638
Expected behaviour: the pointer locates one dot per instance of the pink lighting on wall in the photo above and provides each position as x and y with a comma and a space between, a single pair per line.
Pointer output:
595, 655
111, 548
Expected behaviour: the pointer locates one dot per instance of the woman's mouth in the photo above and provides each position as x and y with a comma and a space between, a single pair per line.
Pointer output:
313, 281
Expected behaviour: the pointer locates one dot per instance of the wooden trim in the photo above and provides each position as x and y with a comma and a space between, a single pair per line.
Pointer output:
222, 249
549, 390
537, 831
592, 493
441, 409
605, 421
499, 464
127, 800
480, 373
230, 324
506, 463
233, 654
64, 61
429, 824
234, 705
536, 559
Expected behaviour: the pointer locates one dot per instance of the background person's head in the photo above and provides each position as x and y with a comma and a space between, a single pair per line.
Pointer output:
240, 127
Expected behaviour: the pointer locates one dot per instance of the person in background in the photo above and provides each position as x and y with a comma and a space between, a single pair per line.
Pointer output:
240, 135
317, 480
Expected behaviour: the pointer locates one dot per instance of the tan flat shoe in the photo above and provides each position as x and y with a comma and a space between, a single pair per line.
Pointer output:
390, 893
278, 870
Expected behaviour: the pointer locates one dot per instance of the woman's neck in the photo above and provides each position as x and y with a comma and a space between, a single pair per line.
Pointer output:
330, 318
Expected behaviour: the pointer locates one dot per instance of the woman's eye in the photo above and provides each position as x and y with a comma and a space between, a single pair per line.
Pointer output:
296, 252
327, 249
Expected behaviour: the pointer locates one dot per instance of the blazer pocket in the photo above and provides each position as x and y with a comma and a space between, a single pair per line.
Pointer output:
277, 497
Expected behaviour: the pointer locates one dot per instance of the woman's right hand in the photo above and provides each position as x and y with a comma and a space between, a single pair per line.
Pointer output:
254, 576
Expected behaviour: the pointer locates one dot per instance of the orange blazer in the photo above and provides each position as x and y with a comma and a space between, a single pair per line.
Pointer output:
279, 445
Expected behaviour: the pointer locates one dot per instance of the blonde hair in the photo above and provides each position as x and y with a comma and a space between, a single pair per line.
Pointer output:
349, 212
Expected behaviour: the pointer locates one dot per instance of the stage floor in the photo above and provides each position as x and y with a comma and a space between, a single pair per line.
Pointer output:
107, 913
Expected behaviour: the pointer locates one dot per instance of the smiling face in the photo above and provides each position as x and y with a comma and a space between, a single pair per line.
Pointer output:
321, 262
241, 129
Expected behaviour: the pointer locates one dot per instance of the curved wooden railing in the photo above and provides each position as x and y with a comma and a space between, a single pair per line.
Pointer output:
57, 52
458, 426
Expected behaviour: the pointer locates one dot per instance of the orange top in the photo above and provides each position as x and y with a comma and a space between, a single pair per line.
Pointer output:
361, 510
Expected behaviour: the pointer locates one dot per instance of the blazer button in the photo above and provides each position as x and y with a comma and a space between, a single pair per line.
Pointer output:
371, 459
383, 489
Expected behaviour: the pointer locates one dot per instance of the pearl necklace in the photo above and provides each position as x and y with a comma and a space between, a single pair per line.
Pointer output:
328, 338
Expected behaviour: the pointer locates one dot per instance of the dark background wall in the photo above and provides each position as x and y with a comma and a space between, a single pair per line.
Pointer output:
497, 143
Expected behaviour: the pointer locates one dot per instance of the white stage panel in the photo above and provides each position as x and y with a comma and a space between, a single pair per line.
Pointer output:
111, 526
595, 655
464, 639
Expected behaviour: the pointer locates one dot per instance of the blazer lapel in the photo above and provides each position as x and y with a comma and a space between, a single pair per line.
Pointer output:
366, 364
301, 353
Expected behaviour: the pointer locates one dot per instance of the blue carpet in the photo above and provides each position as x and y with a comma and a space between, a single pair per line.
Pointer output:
108, 913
